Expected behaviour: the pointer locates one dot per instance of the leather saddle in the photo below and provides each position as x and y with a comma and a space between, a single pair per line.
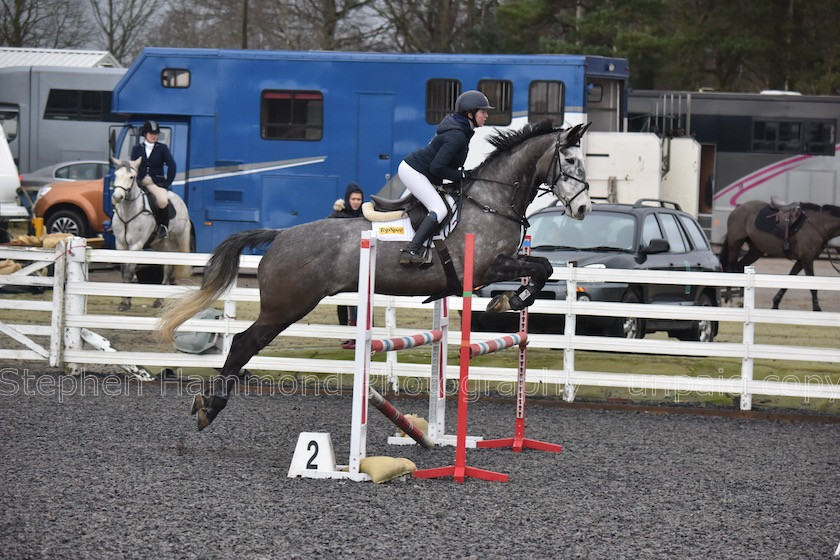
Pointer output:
780, 218
408, 204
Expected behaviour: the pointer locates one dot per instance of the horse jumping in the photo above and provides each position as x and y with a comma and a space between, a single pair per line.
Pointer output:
821, 223
134, 226
305, 263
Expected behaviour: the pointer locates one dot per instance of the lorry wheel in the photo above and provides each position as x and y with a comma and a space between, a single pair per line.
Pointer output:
67, 220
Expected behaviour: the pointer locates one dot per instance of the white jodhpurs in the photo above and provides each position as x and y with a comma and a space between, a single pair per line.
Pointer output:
160, 194
423, 189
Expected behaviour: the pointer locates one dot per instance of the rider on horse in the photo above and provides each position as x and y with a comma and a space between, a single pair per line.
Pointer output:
150, 176
443, 158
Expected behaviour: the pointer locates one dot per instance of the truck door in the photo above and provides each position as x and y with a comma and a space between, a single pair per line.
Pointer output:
374, 144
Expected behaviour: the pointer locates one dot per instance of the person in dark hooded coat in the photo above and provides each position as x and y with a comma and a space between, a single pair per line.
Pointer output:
348, 207
351, 205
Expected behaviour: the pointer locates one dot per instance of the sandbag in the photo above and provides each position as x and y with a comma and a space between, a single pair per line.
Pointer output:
383, 469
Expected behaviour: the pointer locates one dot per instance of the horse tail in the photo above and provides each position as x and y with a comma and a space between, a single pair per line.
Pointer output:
723, 256
219, 273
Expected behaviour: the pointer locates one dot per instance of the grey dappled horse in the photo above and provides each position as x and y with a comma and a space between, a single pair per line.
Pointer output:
305, 263
134, 225
821, 224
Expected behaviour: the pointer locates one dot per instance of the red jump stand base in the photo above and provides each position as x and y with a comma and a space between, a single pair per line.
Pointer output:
461, 473
519, 442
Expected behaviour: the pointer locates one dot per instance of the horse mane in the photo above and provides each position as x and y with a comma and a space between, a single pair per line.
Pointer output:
828, 208
506, 140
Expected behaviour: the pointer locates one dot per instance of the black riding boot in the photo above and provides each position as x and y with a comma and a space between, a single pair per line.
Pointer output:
162, 217
412, 255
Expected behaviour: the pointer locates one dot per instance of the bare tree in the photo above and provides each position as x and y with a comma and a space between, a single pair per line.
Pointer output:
42, 23
126, 25
20, 23
272, 24
318, 24
436, 25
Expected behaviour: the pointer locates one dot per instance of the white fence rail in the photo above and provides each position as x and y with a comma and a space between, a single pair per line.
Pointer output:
70, 327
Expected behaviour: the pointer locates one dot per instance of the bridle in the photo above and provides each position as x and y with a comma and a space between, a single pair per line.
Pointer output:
126, 198
555, 171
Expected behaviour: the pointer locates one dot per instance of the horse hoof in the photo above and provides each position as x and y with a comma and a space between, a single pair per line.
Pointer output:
499, 303
157, 303
197, 404
124, 307
203, 419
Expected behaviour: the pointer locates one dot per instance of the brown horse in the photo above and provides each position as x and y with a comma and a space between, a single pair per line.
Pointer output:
821, 223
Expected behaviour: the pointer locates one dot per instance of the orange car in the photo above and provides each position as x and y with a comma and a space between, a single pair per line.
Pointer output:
72, 207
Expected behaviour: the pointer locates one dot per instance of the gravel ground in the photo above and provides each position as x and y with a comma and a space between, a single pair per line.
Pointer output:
121, 472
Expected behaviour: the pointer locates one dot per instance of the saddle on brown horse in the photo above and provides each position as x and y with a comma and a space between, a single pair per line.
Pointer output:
781, 219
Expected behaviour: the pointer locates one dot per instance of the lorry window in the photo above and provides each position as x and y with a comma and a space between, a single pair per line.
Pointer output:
546, 101
777, 136
441, 94
175, 78
292, 115
819, 136
500, 95
79, 105
9, 122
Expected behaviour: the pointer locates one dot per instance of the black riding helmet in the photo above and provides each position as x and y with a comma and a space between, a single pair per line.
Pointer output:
470, 101
149, 126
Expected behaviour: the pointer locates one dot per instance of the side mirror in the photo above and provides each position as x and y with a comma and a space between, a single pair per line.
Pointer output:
656, 246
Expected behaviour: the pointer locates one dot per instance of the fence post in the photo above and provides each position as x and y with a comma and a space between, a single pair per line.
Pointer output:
391, 357
568, 333
748, 339
75, 255
229, 315
57, 321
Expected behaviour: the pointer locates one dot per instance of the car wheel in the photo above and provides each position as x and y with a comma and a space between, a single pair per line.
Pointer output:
628, 327
67, 220
703, 330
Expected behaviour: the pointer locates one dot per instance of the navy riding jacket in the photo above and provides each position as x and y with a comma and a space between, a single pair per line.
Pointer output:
153, 165
446, 153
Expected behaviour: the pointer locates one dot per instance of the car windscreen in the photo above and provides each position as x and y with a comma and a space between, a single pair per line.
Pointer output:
553, 230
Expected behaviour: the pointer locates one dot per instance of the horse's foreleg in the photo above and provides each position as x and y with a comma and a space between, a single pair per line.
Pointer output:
168, 280
815, 304
127, 278
243, 347
538, 269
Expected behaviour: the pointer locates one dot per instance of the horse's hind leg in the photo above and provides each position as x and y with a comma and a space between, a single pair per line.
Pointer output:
797, 267
243, 347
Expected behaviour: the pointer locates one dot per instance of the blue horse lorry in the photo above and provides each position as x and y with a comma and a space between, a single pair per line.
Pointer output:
269, 139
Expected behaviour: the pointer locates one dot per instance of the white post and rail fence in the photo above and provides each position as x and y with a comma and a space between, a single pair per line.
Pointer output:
59, 331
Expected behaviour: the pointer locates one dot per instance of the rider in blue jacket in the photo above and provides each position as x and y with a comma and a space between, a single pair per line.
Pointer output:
155, 155
443, 158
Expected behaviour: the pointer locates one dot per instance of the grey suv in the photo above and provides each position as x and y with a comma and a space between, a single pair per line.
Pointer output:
647, 235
